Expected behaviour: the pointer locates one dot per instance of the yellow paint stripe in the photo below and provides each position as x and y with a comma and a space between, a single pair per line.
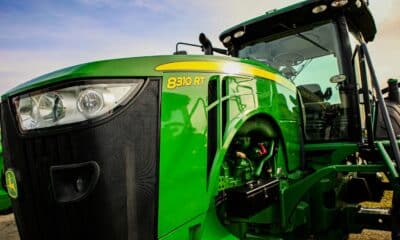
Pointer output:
227, 68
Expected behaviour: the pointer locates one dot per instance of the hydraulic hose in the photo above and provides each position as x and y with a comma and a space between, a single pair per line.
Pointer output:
262, 163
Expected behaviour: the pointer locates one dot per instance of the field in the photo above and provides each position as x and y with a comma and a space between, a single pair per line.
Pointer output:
8, 231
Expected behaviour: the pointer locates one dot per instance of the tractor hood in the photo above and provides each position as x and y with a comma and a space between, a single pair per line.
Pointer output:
305, 13
125, 67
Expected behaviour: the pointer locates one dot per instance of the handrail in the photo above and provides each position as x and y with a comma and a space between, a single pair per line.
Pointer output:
388, 161
383, 107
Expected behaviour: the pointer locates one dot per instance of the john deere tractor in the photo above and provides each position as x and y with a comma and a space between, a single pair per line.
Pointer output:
283, 138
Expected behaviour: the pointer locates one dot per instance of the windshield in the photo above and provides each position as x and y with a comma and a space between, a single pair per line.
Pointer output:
310, 59
293, 54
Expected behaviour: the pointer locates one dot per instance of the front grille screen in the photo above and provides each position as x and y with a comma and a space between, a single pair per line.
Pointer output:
123, 203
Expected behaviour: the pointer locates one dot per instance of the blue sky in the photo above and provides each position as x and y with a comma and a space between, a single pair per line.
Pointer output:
84, 25
38, 36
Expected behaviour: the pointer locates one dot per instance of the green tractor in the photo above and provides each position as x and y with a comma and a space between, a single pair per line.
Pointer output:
281, 139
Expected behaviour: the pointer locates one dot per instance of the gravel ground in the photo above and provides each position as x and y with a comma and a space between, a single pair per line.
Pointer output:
8, 231
8, 228
386, 202
371, 235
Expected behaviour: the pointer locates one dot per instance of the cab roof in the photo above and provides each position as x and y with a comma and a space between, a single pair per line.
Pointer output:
356, 12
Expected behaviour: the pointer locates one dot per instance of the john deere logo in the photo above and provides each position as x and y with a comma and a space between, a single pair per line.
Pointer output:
11, 183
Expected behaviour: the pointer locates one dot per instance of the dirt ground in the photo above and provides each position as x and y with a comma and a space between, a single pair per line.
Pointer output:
8, 231
371, 235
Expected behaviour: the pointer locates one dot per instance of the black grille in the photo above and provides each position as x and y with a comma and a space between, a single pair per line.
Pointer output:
123, 203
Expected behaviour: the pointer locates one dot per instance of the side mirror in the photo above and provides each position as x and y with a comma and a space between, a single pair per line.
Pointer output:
205, 44
338, 78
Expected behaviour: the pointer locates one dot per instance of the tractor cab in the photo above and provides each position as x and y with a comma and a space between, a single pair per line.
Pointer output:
320, 45
309, 43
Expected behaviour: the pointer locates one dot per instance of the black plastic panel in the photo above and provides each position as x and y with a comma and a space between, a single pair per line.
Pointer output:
251, 198
123, 203
74, 182
212, 125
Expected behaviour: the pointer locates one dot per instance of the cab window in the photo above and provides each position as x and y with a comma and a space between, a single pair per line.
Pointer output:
312, 60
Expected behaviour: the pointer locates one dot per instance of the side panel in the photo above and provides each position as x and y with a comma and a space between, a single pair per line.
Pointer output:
186, 191
286, 106
248, 96
183, 153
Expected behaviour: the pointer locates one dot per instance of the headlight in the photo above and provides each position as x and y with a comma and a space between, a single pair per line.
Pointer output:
72, 104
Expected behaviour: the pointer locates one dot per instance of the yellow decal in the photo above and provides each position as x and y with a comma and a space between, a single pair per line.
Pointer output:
11, 183
235, 68
175, 82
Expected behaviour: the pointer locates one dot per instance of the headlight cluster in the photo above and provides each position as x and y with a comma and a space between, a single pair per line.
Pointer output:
71, 104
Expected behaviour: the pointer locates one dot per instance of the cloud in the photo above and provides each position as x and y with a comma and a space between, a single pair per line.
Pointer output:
384, 49
151, 5
101, 29
19, 66
156, 6
103, 3
33, 43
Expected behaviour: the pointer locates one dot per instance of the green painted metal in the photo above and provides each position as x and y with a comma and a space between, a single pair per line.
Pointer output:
292, 194
331, 153
5, 202
183, 171
183, 154
125, 67
388, 160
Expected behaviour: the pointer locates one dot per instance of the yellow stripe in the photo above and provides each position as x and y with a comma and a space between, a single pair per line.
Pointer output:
227, 68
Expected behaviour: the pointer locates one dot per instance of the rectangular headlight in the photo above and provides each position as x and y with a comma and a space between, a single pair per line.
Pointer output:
72, 104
